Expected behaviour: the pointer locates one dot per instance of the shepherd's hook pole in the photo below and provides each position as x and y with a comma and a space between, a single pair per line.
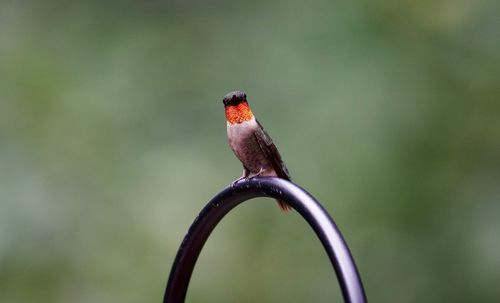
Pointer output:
310, 209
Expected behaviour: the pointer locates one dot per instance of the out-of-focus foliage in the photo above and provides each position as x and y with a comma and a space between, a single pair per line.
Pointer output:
113, 138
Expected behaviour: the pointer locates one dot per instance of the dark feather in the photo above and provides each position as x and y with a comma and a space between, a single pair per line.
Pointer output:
271, 152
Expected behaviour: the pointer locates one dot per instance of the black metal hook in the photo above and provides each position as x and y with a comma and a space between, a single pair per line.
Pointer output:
310, 209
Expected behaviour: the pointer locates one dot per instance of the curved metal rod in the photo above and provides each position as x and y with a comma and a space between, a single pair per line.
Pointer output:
299, 199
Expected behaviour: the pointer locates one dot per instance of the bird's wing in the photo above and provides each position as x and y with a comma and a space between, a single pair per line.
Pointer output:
271, 152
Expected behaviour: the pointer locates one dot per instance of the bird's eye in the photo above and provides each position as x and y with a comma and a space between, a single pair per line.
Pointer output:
245, 96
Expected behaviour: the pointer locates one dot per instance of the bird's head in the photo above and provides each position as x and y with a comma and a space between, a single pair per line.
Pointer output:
236, 107
234, 98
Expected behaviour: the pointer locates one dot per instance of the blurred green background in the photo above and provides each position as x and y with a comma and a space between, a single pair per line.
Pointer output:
113, 138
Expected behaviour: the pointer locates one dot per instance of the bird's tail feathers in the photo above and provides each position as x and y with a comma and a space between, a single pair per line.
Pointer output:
284, 206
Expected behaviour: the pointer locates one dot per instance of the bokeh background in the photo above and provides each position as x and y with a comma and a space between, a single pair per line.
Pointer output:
113, 138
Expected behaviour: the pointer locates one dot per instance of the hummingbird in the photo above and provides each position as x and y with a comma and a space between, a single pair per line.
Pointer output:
250, 142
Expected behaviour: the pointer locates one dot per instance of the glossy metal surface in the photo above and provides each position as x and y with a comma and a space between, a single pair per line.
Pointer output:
310, 209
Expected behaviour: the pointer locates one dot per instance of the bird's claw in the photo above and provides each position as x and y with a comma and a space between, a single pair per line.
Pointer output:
251, 176
233, 184
247, 178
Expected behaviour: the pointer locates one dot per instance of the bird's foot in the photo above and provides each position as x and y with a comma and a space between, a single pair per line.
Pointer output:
247, 177
233, 184
251, 176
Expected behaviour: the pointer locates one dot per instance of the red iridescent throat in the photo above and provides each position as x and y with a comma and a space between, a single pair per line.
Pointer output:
238, 113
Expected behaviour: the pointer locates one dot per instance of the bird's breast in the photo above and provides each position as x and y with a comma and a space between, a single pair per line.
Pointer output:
244, 145
239, 133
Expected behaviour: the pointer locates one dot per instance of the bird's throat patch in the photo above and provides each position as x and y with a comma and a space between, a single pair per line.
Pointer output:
236, 114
